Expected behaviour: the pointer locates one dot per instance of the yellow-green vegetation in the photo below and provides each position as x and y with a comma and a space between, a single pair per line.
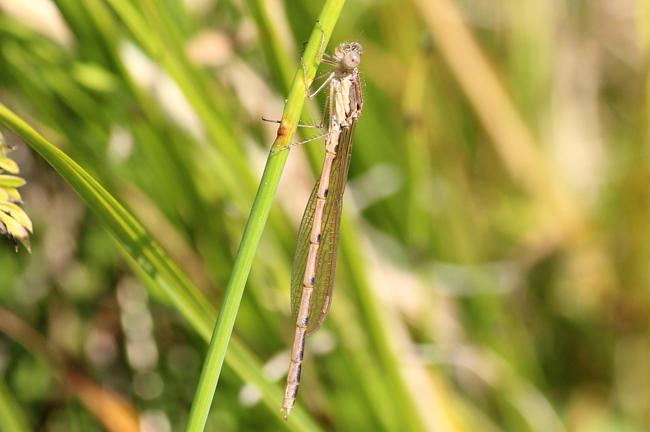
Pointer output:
493, 269
14, 222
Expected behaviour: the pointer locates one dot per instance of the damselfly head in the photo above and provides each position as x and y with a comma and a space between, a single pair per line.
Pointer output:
350, 54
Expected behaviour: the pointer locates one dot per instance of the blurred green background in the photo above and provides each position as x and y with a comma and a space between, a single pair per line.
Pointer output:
493, 272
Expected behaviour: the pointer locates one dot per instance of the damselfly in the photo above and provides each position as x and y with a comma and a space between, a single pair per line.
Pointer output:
314, 260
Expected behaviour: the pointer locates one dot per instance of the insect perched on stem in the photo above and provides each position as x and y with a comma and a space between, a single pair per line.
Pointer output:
314, 259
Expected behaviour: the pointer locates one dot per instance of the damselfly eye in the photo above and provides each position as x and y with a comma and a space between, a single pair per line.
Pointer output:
351, 59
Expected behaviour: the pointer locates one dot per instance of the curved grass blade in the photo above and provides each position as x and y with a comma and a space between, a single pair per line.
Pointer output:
151, 260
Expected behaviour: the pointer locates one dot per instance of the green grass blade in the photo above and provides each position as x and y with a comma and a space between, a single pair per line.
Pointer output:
189, 80
275, 53
131, 235
223, 330
151, 259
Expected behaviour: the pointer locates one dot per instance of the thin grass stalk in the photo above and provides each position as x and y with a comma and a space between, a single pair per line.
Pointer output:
371, 310
189, 81
275, 53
